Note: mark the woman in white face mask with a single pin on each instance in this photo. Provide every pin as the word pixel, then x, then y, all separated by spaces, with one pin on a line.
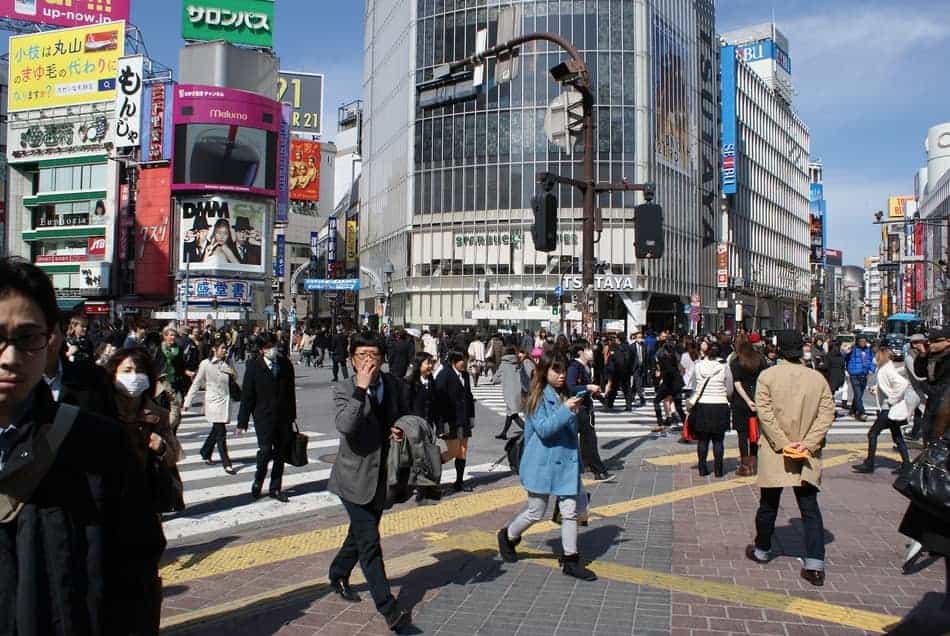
pixel 133 380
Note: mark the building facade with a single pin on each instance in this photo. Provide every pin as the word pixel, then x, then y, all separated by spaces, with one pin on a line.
pixel 932 190
pixel 766 181
pixel 446 193
pixel 872 291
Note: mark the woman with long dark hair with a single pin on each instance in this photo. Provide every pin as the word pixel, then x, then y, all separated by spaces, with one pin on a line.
pixel 221 246
pixel 550 463
pixel 745 367
pixel 420 389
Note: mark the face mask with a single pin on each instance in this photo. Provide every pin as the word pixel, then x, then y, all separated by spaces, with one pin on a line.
pixel 806 355
pixel 271 354
pixel 589 353
pixel 132 384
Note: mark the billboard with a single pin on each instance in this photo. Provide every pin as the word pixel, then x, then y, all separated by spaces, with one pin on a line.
pixel 153 232
pixel 225 140
pixel 304 93
pixel 729 134
pixel 158 120
pixel 65 67
pixel 224 292
pixel 833 257
pixel 816 218
pixel 237 21
pixel 61 136
pixel 897 207
pixel 127 129
pixel 672 95
pixel 304 170
pixel 224 233
pixel 352 238
pixel 283 166
pixel 766 49
pixel 65 13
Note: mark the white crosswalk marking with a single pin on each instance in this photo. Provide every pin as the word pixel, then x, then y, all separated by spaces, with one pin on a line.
pixel 620 424
pixel 216 500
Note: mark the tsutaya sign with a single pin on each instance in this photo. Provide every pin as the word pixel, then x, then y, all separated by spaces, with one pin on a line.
pixel 601 283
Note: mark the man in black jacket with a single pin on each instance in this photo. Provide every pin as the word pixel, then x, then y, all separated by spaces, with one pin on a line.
pixel 79 542
pixel 934 367
pixel 617 370
pixel 400 354
pixel 338 351
pixel 366 409
pixel 268 393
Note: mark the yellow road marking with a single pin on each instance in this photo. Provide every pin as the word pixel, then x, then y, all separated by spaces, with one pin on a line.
pixel 686 458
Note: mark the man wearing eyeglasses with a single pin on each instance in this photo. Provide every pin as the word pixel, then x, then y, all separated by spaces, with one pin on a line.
pixel 79 541
pixel 367 405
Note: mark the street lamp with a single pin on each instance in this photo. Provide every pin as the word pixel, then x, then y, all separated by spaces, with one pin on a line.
pixel 388 270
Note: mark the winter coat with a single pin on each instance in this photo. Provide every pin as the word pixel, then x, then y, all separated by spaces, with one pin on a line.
pixel 860 361
pixel 476 352
pixel 550 463
pixel 214 379
pixel 509 376
pixel 834 364
pixel 794 404
pixel 720 386
pixel 892 384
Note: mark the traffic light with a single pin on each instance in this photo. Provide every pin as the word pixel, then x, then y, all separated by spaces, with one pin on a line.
pixel 544 231
pixel 648 225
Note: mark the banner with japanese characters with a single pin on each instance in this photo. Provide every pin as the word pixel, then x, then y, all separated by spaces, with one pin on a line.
pixel 247 22
pixel 127 129
pixel 65 67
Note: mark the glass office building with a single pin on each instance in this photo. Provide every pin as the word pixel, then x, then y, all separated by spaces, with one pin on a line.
pixel 446 193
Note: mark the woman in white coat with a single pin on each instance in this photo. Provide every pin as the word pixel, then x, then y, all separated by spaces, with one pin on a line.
pixel 214 376
pixel 892 386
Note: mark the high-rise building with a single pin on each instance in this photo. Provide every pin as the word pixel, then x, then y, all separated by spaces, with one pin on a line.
pixel 766 180
pixel 446 193
pixel 932 236
pixel 872 292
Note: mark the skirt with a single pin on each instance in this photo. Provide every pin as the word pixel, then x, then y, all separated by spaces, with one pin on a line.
pixel 710 418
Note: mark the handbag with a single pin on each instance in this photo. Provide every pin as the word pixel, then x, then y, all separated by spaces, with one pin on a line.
pixel 927 482
pixel 169 490
pixel 688 425
pixel 296 452
pixel 514 449
pixel 753 430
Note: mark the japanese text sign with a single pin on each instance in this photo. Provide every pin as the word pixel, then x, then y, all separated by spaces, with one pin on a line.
pixel 237 21
pixel 65 67
pixel 127 128
pixel 66 13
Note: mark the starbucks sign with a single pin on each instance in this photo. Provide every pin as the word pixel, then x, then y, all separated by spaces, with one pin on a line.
pixel 247 22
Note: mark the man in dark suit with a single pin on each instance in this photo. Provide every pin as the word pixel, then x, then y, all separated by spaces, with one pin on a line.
pixel 194 249
pixel 268 394
pixel 400 354
pixel 248 253
pixel 617 371
pixel 453 396
pixel 638 367
pixel 338 350
pixel 366 406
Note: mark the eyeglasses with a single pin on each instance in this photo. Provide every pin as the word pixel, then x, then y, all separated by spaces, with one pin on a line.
pixel 365 355
pixel 30 343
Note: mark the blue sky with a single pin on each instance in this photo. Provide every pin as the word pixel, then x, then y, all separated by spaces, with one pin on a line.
pixel 869 75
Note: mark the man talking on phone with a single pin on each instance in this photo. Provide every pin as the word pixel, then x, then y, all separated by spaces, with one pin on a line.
pixel 367 405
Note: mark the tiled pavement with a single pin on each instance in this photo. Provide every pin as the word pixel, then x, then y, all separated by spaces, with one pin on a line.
pixel 457 585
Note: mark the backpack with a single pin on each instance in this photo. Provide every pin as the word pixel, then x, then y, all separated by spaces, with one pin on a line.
pixel 514 449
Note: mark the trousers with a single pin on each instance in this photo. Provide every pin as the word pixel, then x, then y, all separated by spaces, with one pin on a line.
pixel 858 385
pixel 269 449
pixel 880 424
pixel 807 497
pixel 534 512
pixel 362 546
pixel 637 379
pixel 620 383
pixel 217 436
pixel 337 365
pixel 590 454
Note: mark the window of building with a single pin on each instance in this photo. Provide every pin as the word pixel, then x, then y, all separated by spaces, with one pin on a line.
pixel 73 178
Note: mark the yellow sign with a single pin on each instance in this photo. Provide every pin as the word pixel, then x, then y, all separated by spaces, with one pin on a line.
pixel 897 206
pixel 65 67
pixel 351 237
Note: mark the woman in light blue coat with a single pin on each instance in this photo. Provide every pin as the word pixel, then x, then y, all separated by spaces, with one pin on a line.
pixel 550 463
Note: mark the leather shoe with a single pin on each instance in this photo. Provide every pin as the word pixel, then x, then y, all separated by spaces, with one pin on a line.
pixel 863 467
pixel 344 591
pixel 256 491
pixel 230 470
pixel 460 486
pixel 750 554
pixel 815 577
pixel 279 496
pixel 398 620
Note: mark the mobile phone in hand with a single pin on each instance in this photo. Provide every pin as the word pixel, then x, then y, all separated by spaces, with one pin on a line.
pixel 582 393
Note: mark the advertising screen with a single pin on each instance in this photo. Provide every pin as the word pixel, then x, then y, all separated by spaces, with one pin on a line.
pixel 670 66
pixel 65 13
pixel 65 67
pixel 248 22
pixel 225 140
pixel 224 234
pixel 304 170
pixel 153 233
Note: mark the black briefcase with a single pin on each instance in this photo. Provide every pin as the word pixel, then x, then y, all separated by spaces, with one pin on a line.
pixel 296 452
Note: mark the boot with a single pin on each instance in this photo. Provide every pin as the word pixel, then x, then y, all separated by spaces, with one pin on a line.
pixel 506 546
pixel 571 566
pixel 745 469
pixel 703 468
pixel 754 464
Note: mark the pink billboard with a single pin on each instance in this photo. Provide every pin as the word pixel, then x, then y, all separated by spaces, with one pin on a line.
pixel 225 140
pixel 66 13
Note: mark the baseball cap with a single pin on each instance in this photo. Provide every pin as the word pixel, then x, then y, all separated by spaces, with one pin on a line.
pixel 918 337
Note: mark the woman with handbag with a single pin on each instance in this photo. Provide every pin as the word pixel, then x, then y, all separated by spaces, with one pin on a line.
pixel 709 411
pixel 219 381
pixel 892 384
pixel 745 368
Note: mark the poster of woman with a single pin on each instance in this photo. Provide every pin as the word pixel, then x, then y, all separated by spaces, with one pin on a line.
pixel 223 234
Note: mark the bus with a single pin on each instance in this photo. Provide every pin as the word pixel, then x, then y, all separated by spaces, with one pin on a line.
pixel 900 327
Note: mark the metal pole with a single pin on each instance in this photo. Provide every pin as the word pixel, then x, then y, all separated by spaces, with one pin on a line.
pixel 588 228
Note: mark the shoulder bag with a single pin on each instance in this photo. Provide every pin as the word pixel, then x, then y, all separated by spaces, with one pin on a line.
pixel 927 482
pixel 17 489
pixel 169 489
pixel 296 453
pixel 688 424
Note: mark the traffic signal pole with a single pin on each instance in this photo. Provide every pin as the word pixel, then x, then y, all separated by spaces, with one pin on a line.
pixel 574 73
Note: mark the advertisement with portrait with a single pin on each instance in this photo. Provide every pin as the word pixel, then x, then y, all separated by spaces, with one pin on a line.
pixel 225 140
pixel 304 93
pixel 224 233
pixel 65 13
pixel 60 134
pixel 65 67
pixel 153 232
pixel 672 95
pixel 304 170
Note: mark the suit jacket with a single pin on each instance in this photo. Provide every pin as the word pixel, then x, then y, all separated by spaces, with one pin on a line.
pixel 358 473
pixel 455 401
pixel 271 400
pixel 400 355
pixel 251 256
pixel 86 385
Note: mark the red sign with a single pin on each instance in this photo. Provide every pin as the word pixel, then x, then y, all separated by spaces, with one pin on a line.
pixel 97 309
pixel 908 295
pixel 304 170
pixel 153 233
pixel 65 13
pixel 722 279
pixel 919 269
pixel 61 258
pixel 96 247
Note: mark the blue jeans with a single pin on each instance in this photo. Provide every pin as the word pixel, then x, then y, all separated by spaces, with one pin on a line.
pixel 807 496
pixel 858 385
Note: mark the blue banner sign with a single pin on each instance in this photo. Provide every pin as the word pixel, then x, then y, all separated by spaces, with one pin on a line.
pixel 336 284
pixel 729 134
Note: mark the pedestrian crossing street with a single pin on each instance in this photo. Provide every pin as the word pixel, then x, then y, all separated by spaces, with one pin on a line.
pixel 620 424
pixel 216 500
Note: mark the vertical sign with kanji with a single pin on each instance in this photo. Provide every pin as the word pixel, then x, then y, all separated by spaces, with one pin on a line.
pixel 127 130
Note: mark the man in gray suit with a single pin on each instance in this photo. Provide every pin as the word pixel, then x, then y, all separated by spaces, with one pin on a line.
pixel 367 405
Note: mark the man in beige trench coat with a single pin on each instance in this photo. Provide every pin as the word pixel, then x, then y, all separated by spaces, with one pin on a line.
pixel 795 409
